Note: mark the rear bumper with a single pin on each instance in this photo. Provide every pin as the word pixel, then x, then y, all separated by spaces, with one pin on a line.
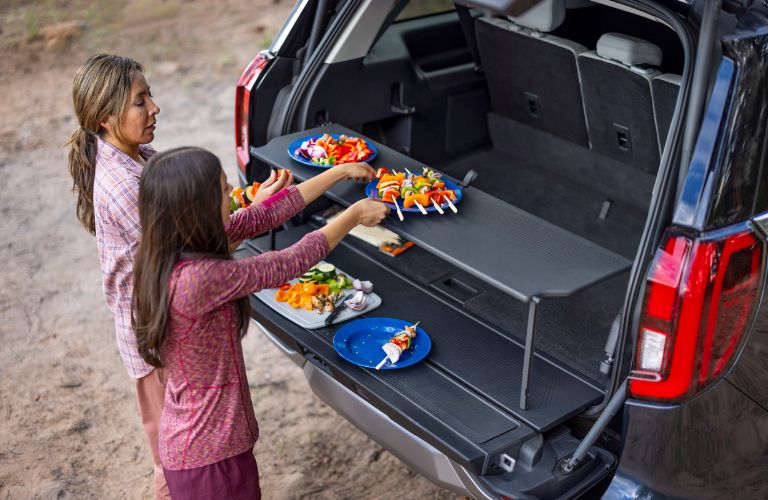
pixel 417 454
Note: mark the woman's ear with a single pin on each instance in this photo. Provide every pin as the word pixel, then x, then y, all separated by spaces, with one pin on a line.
pixel 106 124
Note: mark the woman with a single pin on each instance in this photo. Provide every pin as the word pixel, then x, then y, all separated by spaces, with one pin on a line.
pixel 117 117
pixel 191 311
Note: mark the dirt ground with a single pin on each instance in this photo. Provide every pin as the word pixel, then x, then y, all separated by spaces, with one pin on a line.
pixel 69 426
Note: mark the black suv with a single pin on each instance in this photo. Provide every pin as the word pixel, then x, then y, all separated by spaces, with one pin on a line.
pixel 596 306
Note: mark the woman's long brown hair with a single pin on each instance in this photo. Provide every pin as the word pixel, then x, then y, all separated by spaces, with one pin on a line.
pixel 180 214
pixel 101 89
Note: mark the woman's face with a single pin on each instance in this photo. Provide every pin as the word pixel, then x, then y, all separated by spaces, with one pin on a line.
pixel 137 123
pixel 225 189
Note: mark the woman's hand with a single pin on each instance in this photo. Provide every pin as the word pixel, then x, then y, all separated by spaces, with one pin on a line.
pixel 369 212
pixel 359 171
pixel 273 184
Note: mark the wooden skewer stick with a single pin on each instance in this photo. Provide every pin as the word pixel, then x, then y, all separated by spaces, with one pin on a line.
pixel 453 207
pixel 408 172
pixel 394 172
pixel 397 206
pixel 383 361
pixel 437 207
pixel 421 208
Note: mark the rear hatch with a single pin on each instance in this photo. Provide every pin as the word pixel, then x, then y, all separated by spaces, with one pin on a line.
pixel 518 291
pixel 465 399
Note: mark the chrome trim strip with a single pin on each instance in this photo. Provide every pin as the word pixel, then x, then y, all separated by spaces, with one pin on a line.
pixel 761 224
pixel 416 453
pixel 295 356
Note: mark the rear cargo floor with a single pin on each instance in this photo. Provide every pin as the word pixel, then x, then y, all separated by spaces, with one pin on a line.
pixel 562 183
pixel 464 350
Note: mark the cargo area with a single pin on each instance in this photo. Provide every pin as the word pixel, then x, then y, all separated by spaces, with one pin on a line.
pixel 564 129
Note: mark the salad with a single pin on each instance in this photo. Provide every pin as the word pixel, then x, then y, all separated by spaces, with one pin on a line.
pixel 328 151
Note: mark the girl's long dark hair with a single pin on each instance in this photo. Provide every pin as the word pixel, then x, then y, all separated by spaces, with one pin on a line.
pixel 180 201
pixel 101 89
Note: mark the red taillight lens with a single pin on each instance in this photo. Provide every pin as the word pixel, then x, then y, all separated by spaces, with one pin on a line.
pixel 242 106
pixel 698 302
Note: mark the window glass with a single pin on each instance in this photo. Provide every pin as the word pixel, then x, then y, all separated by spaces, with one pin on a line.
pixel 418 8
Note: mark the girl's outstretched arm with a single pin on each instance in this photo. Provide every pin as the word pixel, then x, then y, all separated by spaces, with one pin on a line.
pixel 312 188
pixel 202 286
pixel 275 210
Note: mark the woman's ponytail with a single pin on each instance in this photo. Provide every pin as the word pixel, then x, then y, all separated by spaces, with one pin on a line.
pixel 100 91
pixel 82 168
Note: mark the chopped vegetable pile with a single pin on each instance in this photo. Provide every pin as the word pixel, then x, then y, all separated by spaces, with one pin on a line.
pixel 329 151
pixel 317 289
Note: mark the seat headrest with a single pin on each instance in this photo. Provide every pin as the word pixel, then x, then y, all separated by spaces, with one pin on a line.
pixel 628 50
pixel 546 16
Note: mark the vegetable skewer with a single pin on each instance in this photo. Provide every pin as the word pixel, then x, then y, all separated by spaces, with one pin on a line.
pixel 398 344
pixel 437 207
pixel 453 207
pixel 399 213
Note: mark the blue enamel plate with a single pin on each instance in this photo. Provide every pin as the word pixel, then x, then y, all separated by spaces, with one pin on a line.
pixel 372 192
pixel 292 147
pixel 359 342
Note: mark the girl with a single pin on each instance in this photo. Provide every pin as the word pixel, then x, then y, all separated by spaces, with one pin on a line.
pixel 191 310
pixel 117 117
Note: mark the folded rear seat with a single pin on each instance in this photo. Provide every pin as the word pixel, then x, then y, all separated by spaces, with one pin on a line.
pixel 665 89
pixel 532 76
pixel 616 82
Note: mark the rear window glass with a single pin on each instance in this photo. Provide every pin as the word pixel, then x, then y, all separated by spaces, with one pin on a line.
pixel 419 8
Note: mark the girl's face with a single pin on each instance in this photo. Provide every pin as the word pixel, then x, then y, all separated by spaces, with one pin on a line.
pixel 225 189
pixel 137 123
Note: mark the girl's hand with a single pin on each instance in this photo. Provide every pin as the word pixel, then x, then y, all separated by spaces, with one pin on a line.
pixel 273 184
pixel 369 212
pixel 359 171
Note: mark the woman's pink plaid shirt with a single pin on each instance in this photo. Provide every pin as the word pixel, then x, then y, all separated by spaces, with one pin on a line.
pixel 116 208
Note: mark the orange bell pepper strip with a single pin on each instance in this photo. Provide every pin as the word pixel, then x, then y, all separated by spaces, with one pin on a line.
pixel 391 195
pixel 306 302
pixel 421 199
pixel 281 296
pixel 323 289
pixel 309 288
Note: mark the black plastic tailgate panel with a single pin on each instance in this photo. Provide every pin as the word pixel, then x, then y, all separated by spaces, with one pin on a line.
pixel 465 353
pixel 515 251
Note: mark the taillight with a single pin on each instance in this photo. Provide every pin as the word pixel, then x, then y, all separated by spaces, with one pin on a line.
pixel 242 106
pixel 698 302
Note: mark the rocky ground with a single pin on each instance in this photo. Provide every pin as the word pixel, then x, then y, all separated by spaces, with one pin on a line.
pixel 69 424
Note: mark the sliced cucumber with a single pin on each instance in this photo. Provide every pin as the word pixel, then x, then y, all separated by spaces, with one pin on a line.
pixel 328 270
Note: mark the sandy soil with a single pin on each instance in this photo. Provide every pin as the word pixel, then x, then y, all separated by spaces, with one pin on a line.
pixel 70 427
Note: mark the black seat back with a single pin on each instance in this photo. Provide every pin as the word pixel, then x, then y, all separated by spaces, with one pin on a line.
pixel 616 84
pixel 533 77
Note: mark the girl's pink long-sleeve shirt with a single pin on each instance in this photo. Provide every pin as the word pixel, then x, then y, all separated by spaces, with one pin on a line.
pixel 208 414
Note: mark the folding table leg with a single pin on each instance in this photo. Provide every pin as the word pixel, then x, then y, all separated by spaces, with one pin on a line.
pixel 528 359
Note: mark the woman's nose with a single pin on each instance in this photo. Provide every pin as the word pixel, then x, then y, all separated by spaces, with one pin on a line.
pixel 154 109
